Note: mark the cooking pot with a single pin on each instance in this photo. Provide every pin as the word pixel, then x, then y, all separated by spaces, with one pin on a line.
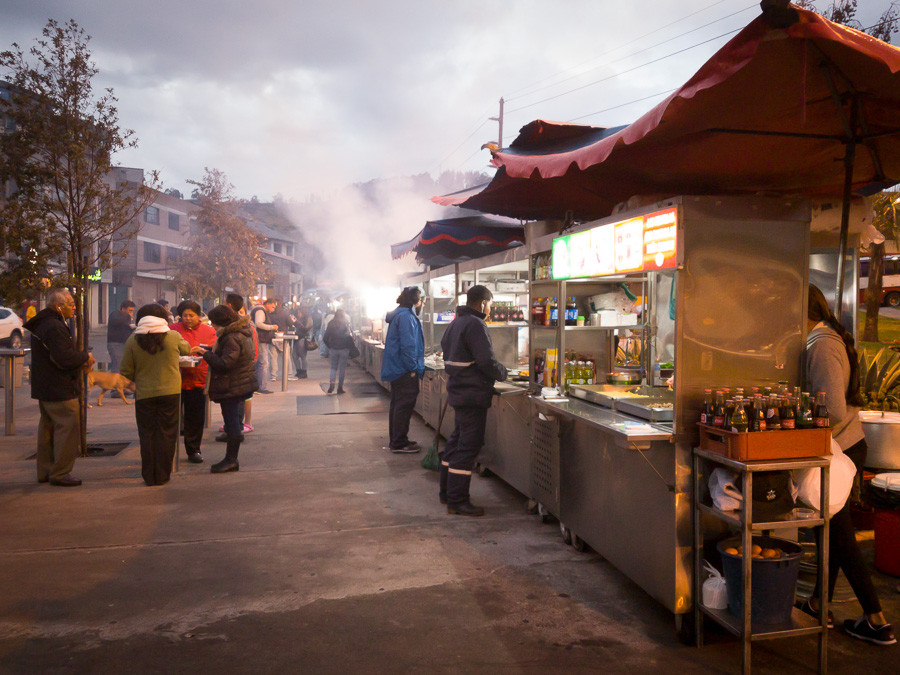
pixel 623 377
pixel 882 432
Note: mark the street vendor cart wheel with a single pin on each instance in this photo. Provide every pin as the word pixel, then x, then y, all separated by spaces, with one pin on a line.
pixel 578 543
pixel 483 471
pixel 546 516
pixel 566 533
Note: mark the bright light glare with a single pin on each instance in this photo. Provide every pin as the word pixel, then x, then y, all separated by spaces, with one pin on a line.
pixel 378 300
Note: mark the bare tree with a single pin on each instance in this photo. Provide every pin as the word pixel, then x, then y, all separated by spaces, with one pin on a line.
pixel 224 250
pixel 65 201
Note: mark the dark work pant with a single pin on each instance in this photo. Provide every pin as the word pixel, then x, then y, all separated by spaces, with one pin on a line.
pixel 462 448
pixel 193 406
pixel 404 392
pixel 843 551
pixel 157 423
pixel 233 414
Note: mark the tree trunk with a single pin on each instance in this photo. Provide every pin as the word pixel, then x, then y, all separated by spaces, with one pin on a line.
pixel 873 292
pixel 79 281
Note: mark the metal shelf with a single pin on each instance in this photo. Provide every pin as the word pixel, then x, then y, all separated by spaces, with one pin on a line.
pixel 737 521
pixel 800 624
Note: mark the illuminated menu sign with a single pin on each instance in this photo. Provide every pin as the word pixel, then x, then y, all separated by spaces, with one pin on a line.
pixel 643 244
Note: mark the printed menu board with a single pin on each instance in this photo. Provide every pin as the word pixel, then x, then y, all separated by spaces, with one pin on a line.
pixel 642 244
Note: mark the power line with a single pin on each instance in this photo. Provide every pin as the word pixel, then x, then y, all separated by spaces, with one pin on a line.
pixel 640 51
pixel 466 139
pixel 616 48
pixel 624 72
pixel 622 105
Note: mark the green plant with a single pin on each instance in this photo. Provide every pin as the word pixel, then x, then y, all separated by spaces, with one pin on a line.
pixel 879 376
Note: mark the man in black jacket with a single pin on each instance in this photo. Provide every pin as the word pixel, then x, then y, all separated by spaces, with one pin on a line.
pixel 118 330
pixel 471 373
pixel 55 368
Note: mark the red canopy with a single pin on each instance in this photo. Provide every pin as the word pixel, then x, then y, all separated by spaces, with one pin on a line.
pixel 774 111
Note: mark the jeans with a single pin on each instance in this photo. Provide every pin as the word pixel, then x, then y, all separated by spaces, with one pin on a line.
pixel 262 366
pixel 299 354
pixel 339 358
pixel 843 551
pixel 233 414
pixel 116 351
pixel 193 417
pixel 157 423
pixel 404 392
pixel 274 358
pixel 323 349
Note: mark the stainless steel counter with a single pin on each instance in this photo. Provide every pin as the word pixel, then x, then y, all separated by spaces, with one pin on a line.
pixel 624 427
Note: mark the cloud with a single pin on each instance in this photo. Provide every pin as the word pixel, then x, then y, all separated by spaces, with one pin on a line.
pixel 306 97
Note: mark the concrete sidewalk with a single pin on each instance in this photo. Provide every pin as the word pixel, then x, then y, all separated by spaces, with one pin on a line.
pixel 324 554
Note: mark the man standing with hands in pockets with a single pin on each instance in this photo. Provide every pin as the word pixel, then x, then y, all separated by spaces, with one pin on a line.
pixel 472 370
pixel 55 368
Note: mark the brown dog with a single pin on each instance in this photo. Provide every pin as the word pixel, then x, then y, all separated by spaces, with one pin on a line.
pixel 108 382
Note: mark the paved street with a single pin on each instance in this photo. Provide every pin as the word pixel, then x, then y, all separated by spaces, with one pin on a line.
pixel 324 554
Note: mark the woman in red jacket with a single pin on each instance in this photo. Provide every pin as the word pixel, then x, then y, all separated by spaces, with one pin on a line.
pixel 193 380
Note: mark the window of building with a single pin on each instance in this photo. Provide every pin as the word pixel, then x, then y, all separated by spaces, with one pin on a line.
pixel 174 222
pixel 289 249
pixel 173 255
pixel 152 252
pixel 276 247
pixel 151 215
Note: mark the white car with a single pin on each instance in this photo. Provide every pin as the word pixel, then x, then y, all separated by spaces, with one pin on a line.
pixel 11 331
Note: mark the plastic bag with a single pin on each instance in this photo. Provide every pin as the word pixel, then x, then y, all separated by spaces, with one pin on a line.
pixel 841 475
pixel 715 592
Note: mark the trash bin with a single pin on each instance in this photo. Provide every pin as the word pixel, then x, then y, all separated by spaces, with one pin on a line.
pixel 883 492
pixel 774 580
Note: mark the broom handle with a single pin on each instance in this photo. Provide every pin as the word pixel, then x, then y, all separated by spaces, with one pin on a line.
pixel 437 433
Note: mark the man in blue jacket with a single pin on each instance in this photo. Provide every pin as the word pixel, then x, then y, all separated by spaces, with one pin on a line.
pixel 403 366
pixel 472 370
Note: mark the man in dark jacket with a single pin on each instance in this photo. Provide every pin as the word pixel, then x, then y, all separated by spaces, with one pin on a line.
pixel 118 330
pixel 55 368
pixel 260 316
pixel 403 365
pixel 471 370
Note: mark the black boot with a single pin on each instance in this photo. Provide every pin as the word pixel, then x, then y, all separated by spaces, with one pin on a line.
pixel 195 457
pixel 301 374
pixel 340 389
pixel 330 388
pixel 458 496
pixel 442 495
pixel 230 463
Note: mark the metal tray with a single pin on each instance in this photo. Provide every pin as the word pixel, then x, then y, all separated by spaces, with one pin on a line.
pixel 602 394
pixel 643 407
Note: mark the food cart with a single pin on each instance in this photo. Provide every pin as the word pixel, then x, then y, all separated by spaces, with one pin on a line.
pixel 721 284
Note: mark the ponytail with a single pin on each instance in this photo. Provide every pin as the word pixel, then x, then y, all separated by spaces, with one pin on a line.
pixel 818 310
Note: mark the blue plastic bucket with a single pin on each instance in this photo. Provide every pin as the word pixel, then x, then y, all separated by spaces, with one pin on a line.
pixel 774 580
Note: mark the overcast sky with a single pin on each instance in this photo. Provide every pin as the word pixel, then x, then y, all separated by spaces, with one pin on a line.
pixel 304 97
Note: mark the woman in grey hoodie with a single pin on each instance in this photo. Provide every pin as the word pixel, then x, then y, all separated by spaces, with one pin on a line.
pixel 832 367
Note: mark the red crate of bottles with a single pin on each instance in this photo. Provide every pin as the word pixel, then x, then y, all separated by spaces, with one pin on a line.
pixel 779 444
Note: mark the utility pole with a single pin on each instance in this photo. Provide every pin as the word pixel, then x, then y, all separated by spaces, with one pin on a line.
pixel 499 120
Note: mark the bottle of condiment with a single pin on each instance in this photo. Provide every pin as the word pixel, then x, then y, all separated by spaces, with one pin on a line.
pixel 719 410
pixel 571 312
pixel 788 416
pixel 757 420
pixel 773 417
pixel 820 416
pixel 805 419
pixel 706 411
pixel 729 412
pixel 739 420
